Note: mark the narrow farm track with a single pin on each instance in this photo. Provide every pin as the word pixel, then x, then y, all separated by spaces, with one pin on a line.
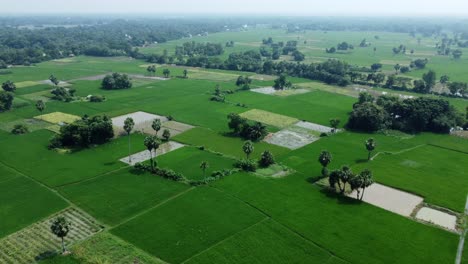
pixel 24 245
pixel 398 152
pixel 462 236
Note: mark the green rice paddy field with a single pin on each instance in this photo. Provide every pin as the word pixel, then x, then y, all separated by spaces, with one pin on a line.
pixel 241 218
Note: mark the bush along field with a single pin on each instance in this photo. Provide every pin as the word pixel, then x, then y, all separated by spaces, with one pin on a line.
pixel 243 166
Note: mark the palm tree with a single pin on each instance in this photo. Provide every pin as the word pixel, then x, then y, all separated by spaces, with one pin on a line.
pixel 367 180
pixel 150 144
pixel 345 176
pixel 204 165
pixel 325 158
pixel 370 146
pixel 248 148
pixel 60 227
pixel 156 125
pixel 128 127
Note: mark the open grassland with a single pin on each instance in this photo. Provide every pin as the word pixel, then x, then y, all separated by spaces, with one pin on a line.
pixel 230 146
pixel 53 168
pixel 358 236
pixel 22 201
pixel 266 242
pixel 187 161
pixel 120 195
pixel 189 224
pixel 439 175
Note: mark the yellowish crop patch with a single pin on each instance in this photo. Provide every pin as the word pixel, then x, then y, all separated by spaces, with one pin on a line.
pixel 58 117
pixel 25 84
pixel 269 118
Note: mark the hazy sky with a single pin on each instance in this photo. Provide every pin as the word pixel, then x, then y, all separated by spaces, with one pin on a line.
pixel 287 7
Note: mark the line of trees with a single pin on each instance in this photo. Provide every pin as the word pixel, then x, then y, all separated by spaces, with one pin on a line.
pixel 254 131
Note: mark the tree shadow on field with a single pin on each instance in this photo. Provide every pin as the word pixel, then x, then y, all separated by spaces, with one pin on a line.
pixel 110 163
pixel 340 198
pixel 136 171
pixel 358 161
pixel 313 179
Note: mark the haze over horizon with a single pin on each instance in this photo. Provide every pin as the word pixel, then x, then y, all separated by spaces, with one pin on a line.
pixel 292 7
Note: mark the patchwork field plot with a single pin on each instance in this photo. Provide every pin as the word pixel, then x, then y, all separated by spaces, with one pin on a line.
pixel 269 118
pixel 266 242
pixel 187 161
pixel 272 91
pixel 313 127
pixel 416 171
pixel 210 75
pixel 117 196
pixel 25 245
pixel 189 224
pixel 25 84
pixel 437 217
pixel 107 248
pixel 142 121
pixel 22 202
pixel 145 155
pixel 291 138
pixel 32 124
pixel 230 146
pixel 58 117
pixel 391 199
pixel 62 168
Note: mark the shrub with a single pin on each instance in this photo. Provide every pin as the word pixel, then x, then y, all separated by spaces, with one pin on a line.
pixel 63 94
pixel 266 159
pixel 20 129
pixel 97 98
pixel 246 165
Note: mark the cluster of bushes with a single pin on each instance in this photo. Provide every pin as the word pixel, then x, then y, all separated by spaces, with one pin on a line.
pixel 97 98
pixel 63 94
pixel 19 129
pixel 408 115
pixel 116 81
pixel 344 46
pixel 216 175
pixel 246 165
pixel 266 160
pixel 165 173
pixel 241 127
pixel 84 133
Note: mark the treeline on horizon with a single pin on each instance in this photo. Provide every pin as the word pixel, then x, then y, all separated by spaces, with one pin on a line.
pixel 28 40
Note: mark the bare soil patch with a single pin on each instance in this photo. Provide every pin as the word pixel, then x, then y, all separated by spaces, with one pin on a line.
pixel 145 155
pixel 291 139
pixel 390 199
pixel 142 121
pixel 437 217
pixel 314 127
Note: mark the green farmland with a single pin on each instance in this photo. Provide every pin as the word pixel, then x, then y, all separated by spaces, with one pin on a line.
pixel 218 211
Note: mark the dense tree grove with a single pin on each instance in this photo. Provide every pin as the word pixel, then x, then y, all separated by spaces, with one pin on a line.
pixel 6 100
pixel 92 36
pixel 116 81
pixel 196 49
pixel 242 127
pixel 84 133
pixel 409 115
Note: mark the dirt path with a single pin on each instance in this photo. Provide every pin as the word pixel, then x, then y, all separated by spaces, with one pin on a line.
pixel 462 237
